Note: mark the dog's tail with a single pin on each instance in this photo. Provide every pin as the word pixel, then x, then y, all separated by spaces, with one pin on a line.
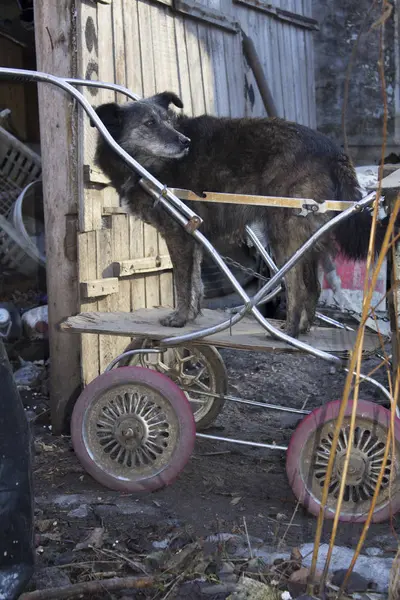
pixel 352 235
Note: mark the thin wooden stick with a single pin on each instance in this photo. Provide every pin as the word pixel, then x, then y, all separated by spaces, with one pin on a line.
pixel 91 587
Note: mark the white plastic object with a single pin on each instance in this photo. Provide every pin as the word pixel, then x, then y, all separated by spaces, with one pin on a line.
pixel 5 322
pixel 26 225
pixel 36 322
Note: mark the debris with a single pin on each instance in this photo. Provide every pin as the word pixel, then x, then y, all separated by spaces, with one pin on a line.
pixel 355 582
pixel 301 576
pixel 91 587
pixel 28 376
pixel 44 525
pixel 227 573
pixel 374 551
pixel 162 545
pixel 217 589
pixel 180 560
pixel 238 547
pixel 281 517
pixel 374 568
pixel 80 513
pixel 296 557
pixel 50 577
pixel 297 583
pixel 36 322
pixel 249 589
pixel 94 540
pixel 255 565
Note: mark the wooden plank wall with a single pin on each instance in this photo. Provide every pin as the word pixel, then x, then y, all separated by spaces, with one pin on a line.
pixel 149 47
pixel 154 50
pixel 286 53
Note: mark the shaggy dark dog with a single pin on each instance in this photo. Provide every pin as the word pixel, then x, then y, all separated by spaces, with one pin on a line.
pixel 269 157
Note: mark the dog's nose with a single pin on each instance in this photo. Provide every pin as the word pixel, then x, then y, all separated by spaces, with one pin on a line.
pixel 184 141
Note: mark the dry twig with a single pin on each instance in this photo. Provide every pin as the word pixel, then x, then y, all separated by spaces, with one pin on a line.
pixel 91 587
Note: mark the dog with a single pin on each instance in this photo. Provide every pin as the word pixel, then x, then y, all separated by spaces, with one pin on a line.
pixel 261 156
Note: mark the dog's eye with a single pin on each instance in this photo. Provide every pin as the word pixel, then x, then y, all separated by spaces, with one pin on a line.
pixel 150 123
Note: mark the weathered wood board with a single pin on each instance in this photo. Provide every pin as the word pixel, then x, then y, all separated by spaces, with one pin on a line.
pixel 247 334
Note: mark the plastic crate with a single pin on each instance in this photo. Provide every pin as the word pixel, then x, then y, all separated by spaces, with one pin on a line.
pixel 16 255
pixel 19 166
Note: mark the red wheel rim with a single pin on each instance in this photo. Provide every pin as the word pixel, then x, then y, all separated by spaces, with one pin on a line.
pixel 311 433
pixel 133 430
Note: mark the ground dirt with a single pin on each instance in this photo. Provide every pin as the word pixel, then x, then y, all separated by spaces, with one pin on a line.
pixel 224 488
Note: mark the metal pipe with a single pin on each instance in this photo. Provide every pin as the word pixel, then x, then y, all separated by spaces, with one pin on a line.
pixel 276 407
pixel 164 193
pixel 116 360
pixel 333 322
pixel 207 436
pixel 264 254
pixel 115 87
pixel 380 387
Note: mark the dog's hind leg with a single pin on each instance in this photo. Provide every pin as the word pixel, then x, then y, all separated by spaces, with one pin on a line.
pixel 313 287
pixel 285 239
pixel 186 257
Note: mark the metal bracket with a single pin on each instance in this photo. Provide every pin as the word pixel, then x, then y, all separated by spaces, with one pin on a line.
pixel 311 206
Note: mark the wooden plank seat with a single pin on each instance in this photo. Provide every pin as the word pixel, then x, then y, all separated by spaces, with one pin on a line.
pixel 247 334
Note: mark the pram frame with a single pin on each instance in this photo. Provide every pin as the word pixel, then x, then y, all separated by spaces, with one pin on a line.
pixel 178 210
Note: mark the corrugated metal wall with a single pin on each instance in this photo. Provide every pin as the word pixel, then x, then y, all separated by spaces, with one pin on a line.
pixel 195 50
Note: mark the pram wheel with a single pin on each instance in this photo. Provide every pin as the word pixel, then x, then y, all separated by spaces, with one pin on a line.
pixel 133 430
pixel 195 368
pixel 309 451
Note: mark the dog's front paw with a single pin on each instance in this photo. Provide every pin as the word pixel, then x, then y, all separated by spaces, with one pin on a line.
pixel 174 319
pixel 291 329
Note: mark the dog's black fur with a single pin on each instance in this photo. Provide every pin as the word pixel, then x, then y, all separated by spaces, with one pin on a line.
pixel 270 157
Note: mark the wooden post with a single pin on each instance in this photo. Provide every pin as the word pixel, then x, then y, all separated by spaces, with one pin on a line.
pixel 57 54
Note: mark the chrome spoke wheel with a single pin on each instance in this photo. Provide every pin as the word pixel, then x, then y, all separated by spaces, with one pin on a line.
pixel 310 449
pixel 367 450
pixel 198 370
pixel 132 431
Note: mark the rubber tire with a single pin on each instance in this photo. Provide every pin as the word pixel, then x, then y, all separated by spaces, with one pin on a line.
pixel 221 377
pixel 164 386
pixel 302 433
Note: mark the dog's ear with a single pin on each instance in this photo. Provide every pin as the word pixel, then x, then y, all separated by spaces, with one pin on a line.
pixel 110 114
pixel 165 99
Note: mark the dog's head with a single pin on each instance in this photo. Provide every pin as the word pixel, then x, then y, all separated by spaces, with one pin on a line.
pixel 145 128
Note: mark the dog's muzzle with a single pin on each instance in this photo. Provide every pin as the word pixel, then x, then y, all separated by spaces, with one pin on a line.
pixel 184 142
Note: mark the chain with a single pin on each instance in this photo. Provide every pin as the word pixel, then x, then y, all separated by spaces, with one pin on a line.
pixel 248 270
pixel 353 313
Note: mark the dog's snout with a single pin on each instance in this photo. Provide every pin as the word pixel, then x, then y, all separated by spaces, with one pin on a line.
pixel 184 141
